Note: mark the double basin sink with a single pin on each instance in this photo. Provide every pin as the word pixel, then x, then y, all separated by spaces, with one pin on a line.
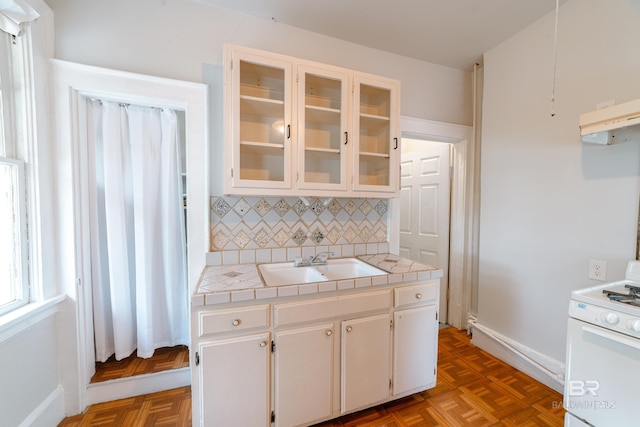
pixel 285 273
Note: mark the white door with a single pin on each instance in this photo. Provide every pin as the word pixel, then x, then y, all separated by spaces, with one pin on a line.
pixel 366 361
pixel 234 374
pixel 425 198
pixel 415 337
pixel 304 374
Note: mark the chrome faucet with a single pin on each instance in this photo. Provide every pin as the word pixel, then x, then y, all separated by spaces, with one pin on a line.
pixel 318 259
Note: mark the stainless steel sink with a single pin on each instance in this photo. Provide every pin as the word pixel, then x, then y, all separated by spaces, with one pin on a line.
pixel 280 274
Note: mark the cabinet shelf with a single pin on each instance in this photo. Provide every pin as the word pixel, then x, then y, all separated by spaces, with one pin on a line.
pixel 323 150
pixel 322 114
pixel 372 154
pixel 264 107
pixel 261 147
pixel 373 123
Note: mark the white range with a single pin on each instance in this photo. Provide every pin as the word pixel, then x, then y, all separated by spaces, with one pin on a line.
pixel 603 354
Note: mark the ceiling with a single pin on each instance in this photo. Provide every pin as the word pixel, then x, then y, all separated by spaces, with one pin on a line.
pixel 453 33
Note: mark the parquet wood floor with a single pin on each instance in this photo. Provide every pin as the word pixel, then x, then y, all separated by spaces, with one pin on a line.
pixel 473 389
pixel 163 359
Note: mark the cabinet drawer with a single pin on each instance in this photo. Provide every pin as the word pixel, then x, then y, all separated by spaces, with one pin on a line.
pixel 326 308
pixel 421 293
pixel 235 319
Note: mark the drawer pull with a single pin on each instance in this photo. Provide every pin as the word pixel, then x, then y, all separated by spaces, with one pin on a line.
pixel 329 332
pixel 236 322
pixel 418 296
pixel 349 329
pixel 263 344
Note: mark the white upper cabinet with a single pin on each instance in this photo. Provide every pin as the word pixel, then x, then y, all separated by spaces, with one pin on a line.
pixel 376 142
pixel 299 128
pixel 260 131
pixel 323 131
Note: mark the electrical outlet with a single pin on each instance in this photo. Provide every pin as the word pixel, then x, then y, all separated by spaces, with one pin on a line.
pixel 598 270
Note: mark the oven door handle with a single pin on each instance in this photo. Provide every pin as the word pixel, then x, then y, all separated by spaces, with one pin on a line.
pixel 607 335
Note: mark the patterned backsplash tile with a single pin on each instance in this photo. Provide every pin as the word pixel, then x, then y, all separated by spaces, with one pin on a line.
pixel 243 223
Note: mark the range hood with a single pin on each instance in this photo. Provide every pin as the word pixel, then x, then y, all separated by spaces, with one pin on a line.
pixel 598 126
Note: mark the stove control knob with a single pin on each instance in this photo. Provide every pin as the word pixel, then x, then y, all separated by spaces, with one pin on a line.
pixel 634 325
pixel 611 318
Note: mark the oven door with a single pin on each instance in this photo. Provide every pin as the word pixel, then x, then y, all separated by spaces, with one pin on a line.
pixel 602 373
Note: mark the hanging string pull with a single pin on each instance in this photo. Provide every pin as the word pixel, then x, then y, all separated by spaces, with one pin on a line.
pixel 555 62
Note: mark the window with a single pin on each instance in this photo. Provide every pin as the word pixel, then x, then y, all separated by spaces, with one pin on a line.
pixel 13 244
pixel 14 249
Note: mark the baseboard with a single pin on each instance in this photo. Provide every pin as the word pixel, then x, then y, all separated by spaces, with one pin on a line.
pixel 544 369
pixel 137 385
pixel 49 412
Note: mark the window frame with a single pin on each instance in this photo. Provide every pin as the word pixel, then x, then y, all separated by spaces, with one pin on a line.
pixel 21 289
pixel 18 147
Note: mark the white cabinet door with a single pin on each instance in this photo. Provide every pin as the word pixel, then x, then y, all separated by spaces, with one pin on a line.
pixel 366 361
pixel 415 334
pixel 376 156
pixel 304 372
pixel 323 129
pixel 234 381
pixel 259 127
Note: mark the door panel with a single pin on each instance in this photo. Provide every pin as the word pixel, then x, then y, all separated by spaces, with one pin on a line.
pixel 304 374
pixel 366 361
pixel 424 207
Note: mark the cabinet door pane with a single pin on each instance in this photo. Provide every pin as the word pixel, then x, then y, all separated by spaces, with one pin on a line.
pixel 415 347
pixel 366 361
pixel 377 148
pixel 261 121
pixel 234 372
pixel 322 99
pixel 304 374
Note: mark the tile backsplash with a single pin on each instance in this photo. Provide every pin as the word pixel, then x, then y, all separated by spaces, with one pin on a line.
pixel 252 229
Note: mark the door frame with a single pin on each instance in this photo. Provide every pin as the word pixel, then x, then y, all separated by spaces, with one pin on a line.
pixel 73 83
pixel 462 209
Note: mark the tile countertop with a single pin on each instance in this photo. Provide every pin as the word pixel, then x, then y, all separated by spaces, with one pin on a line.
pixel 232 283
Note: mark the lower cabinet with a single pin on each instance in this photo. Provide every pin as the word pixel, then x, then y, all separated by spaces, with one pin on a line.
pixel 307 360
pixel 414 357
pixel 234 381
pixel 303 374
pixel 366 361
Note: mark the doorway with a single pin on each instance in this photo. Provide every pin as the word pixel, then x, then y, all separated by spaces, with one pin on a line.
pixel 425 200
pixel 73 84
pixel 136 175
pixel 462 209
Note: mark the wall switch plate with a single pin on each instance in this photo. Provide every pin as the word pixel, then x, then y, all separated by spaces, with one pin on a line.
pixel 598 270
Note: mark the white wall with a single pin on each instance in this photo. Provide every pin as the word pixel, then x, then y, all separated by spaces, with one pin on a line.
pixel 29 371
pixel 549 203
pixel 183 39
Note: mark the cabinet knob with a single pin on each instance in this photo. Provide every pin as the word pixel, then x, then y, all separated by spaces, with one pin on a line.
pixel 329 332
pixel 349 329
pixel 418 296
pixel 236 322
pixel 263 344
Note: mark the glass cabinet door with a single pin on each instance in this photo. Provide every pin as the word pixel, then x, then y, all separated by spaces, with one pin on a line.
pixel 323 135
pixel 378 143
pixel 261 122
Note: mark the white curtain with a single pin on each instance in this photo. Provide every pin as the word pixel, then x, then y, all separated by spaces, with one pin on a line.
pixel 138 237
